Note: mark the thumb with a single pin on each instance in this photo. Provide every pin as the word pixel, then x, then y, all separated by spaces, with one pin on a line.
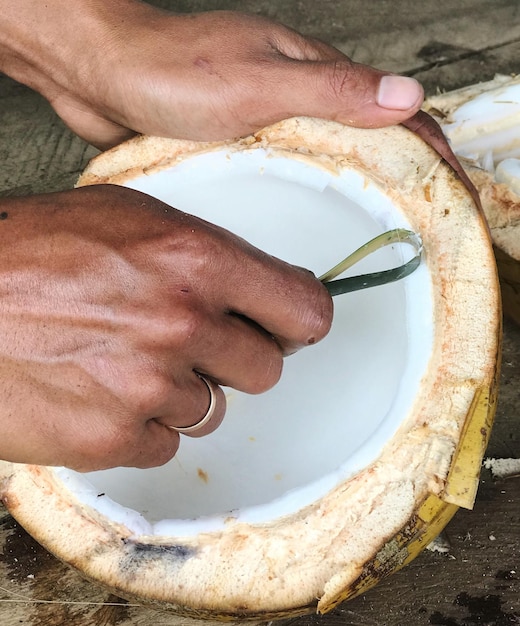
pixel 348 92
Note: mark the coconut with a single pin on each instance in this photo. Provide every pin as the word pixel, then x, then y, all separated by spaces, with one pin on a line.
pixel 482 124
pixel 311 493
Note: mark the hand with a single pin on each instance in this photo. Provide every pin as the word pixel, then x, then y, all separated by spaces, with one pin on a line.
pixel 202 76
pixel 111 301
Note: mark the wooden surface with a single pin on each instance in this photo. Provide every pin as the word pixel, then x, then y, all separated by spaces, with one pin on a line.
pixel 446 44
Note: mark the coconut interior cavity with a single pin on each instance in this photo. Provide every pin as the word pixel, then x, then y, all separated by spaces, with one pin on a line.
pixel 338 402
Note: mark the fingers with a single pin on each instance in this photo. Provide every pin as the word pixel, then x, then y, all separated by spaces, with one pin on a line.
pixel 300 311
pixel 210 419
pixel 287 302
pixel 240 354
pixel 196 409
pixel 224 348
pixel 276 299
pixel 348 92
pixel 143 434
pixel 320 81
pixel 229 350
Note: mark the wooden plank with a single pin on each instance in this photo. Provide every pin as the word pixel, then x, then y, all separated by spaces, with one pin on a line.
pixel 38 153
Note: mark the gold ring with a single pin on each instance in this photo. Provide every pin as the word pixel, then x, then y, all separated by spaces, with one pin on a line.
pixel 209 413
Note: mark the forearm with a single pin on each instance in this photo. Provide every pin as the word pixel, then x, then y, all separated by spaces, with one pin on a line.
pixel 54 45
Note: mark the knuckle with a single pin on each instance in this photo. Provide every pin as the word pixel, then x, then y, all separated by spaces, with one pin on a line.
pixel 186 324
pixel 175 325
pixel 342 79
pixel 101 447
pixel 159 455
pixel 316 310
pixel 318 316
pixel 151 394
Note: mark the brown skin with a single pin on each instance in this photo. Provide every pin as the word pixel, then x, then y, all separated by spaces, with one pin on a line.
pixel 101 355
pixel 203 76
pixel 111 301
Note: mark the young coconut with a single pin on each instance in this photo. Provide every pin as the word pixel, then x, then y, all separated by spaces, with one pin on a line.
pixel 482 123
pixel 311 493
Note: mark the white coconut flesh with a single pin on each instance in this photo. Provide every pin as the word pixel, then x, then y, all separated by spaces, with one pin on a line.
pixel 486 129
pixel 298 494
pixel 337 403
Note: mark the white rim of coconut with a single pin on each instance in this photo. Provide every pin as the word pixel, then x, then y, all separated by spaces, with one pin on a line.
pixel 377 469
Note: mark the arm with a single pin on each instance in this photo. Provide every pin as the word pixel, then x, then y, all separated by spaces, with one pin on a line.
pixel 114 68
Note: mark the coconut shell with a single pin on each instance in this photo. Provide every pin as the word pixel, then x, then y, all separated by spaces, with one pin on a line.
pixel 371 523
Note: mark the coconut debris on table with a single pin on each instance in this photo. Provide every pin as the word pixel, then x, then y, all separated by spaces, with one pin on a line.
pixel 503 468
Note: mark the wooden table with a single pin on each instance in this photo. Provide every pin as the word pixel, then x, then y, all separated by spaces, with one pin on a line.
pixel 446 44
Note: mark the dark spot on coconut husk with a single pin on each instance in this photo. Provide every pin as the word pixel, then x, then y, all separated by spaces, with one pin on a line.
pixel 139 554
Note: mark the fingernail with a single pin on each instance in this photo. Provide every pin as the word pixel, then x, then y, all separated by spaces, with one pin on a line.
pixel 399 92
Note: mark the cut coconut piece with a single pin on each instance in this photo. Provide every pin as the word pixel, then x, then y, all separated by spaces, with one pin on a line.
pixel 482 124
pixel 311 493
pixel 508 173
pixel 486 128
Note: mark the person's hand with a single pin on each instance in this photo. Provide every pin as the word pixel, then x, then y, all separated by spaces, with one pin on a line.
pixel 111 303
pixel 114 68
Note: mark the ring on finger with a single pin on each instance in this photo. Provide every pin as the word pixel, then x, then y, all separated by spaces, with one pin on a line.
pixel 212 388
